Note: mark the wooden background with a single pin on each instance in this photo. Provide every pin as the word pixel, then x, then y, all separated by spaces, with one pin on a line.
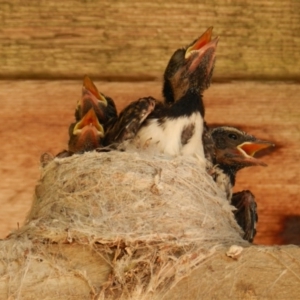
pixel 256 85
pixel 134 39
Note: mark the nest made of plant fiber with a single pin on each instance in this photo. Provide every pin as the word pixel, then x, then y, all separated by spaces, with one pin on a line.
pixel 158 217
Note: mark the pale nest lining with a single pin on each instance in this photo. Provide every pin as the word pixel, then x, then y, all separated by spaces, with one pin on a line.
pixel 156 217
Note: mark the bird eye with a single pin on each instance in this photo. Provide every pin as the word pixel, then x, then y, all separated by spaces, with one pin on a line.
pixel 232 136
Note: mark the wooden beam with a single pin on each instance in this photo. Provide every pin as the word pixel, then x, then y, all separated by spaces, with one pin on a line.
pixel 126 39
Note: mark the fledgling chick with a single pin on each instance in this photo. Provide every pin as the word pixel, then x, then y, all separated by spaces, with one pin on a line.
pixel 233 151
pixel 230 150
pixel 189 67
pixel 176 127
pixel 103 106
pixel 86 134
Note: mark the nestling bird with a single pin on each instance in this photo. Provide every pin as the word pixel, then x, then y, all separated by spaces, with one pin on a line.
pixel 103 106
pixel 89 133
pixel 233 151
pixel 86 134
pixel 190 67
pixel 94 110
pixel 176 127
pixel 230 150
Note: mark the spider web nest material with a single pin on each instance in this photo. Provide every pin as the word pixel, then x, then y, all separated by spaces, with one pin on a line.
pixel 154 218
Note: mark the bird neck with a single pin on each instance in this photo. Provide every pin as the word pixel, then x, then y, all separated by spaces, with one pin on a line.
pixel 188 104
pixel 168 92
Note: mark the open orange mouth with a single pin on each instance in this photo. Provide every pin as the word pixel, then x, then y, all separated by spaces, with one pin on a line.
pixel 204 39
pixel 89 86
pixel 199 48
pixel 248 150
pixel 89 119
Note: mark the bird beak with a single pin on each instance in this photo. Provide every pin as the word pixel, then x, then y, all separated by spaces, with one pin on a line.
pixel 91 121
pixel 200 47
pixel 204 39
pixel 91 98
pixel 248 150
pixel 90 88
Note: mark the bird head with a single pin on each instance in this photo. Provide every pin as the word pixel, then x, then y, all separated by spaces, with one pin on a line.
pixel 91 98
pixel 236 149
pixel 190 67
pixel 86 134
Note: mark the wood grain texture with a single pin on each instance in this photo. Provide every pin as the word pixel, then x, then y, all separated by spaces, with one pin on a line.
pixel 134 39
pixel 36 114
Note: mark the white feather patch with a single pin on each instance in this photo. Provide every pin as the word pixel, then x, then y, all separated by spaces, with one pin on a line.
pixel 166 137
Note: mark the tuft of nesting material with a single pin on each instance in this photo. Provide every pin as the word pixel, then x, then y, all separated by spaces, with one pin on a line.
pixel 152 218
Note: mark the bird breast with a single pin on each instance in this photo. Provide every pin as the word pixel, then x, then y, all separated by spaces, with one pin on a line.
pixel 173 136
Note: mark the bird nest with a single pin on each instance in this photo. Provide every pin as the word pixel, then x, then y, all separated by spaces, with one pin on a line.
pixel 155 218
